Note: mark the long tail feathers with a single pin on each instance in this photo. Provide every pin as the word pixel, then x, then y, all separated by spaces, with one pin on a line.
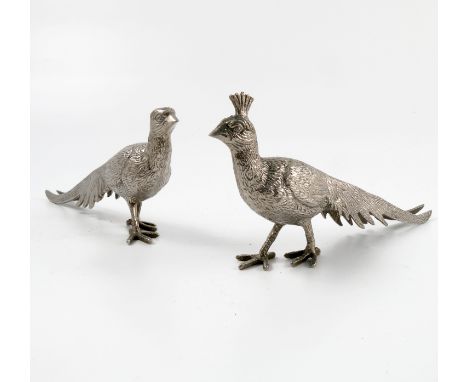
pixel 89 191
pixel 373 206
pixel 411 216
pixel 359 207
pixel 62 197
pixel 414 211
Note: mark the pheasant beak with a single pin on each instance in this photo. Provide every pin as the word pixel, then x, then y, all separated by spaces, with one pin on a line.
pixel 216 133
pixel 212 134
pixel 172 119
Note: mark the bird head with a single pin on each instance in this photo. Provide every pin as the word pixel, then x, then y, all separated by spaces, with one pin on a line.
pixel 163 120
pixel 237 131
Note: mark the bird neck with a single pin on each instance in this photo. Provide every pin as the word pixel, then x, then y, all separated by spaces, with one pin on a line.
pixel 247 157
pixel 158 145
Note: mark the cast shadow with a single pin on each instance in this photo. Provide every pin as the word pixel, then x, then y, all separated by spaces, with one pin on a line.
pixel 346 255
pixel 198 235
pixel 355 252
pixel 168 230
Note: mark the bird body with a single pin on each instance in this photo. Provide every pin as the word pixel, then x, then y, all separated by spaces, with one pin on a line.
pixel 288 191
pixel 264 185
pixel 136 173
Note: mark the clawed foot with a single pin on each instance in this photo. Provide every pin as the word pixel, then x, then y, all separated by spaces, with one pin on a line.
pixel 138 234
pixel 145 225
pixel 304 255
pixel 251 260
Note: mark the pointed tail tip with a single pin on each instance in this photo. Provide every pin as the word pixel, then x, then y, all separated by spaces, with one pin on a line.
pixel 51 196
pixel 422 218
pixel 425 216
pixel 416 209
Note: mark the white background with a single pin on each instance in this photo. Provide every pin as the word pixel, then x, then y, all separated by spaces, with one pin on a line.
pixel 348 88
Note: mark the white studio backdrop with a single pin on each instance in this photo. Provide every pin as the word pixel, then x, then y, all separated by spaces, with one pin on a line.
pixel 348 87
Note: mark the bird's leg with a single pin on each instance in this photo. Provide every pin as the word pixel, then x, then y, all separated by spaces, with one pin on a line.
pixel 135 231
pixel 144 225
pixel 310 252
pixel 263 256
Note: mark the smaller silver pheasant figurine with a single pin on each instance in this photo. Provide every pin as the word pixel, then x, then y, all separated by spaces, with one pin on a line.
pixel 287 191
pixel 136 173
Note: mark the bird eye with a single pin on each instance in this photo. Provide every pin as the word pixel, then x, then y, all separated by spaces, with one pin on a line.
pixel 237 128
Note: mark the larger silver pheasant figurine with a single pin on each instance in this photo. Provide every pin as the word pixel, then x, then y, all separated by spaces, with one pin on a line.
pixel 288 191
pixel 136 173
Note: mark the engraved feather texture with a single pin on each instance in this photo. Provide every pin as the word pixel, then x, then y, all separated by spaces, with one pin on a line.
pixel 288 191
pixel 136 173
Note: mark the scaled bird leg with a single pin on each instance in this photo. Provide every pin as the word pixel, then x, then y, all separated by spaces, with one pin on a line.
pixel 310 252
pixel 264 256
pixel 144 225
pixel 135 231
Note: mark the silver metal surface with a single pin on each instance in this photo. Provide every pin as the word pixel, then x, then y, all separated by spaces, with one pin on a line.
pixel 136 173
pixel 288 191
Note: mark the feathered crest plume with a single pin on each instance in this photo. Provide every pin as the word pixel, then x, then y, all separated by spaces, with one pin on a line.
pixel 241 103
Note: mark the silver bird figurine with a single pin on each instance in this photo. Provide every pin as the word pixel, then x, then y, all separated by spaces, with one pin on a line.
pixel 136 173
pixel 288 191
